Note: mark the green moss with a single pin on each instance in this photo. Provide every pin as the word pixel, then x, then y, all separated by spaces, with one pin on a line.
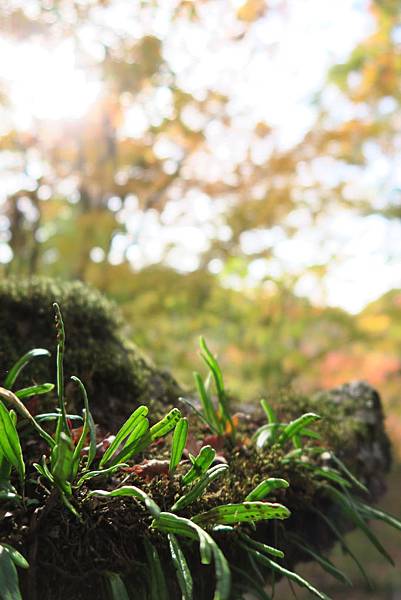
pixel 117 375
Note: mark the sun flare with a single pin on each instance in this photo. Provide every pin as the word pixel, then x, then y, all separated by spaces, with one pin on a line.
pixel 46 82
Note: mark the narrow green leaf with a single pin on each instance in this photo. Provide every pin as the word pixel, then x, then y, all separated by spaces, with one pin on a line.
pixel 34 390
pixel 62 463
pixel 165 425
pixel 9 442
pixel 251 584
pixel 141 427
pixel 348 473
pixel 228 514
pixel 44 470
pixel 219 383
pixel 137 416
pixel 70 506
pixel 16 403
pixel 323 561
pixel 200 464
pixel 264 548
pixel 209 410
pixel 297 425
pixel 266 487
pixel 118 591
pixel 91 474
pixel 375 514
pixel 286 573
pixel 223 575
pixel 62 424
pixel 17 558
pixel 198 413
pixel 21 363
pixel 181 566
pixel 212 364
pixel 141 438
pixel 92 441
pixel 142 441
pixel 199 487
pixel 52 416
pixel 351 510
pixel 130 490
pixel 5 471
pixel 170 523
pixel 330 474
pixel 179 441
pixel 157 581
pixel 9 585
pixel 266 434
pixel 269 412
pixel 313 435
pixel 88 428
pixel 344 544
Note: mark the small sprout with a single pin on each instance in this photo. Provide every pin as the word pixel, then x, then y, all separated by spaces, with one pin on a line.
pixel 199 487
pixel 296 426
pixel 200 464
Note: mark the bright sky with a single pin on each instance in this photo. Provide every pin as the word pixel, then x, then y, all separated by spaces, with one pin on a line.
pixel 272 76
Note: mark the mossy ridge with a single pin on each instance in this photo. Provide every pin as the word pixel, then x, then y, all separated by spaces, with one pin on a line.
pixel 111 534
pixel 352 423
pixel 117 374
pixel 131 525
pixel 109 539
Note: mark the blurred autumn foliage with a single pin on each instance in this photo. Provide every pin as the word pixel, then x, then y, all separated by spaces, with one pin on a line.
pixel 170 199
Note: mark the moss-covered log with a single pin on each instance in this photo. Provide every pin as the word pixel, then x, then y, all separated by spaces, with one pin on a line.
pixel 71 558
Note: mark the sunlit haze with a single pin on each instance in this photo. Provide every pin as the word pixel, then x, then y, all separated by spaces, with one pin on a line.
pixel 45 82
pixel 293 50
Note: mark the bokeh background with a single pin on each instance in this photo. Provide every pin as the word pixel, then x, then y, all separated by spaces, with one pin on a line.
pixel 224 167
